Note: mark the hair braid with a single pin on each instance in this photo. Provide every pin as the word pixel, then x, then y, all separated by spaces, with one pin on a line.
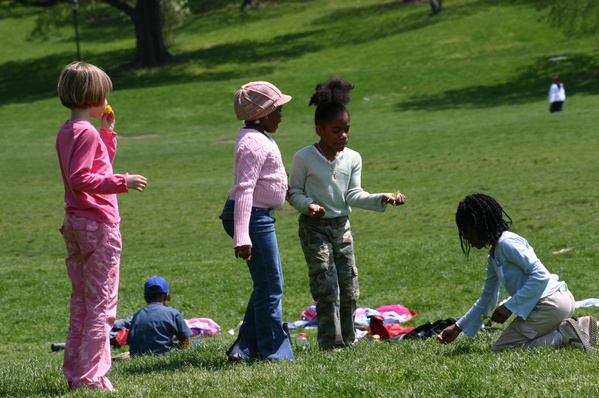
pixel 483 213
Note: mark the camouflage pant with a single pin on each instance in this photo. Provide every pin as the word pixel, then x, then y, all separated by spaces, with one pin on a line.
pixel 329 250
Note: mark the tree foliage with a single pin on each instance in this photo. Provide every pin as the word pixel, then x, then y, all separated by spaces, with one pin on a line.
pixel 154 21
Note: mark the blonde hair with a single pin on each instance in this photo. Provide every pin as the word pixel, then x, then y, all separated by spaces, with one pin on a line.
pixel 82 85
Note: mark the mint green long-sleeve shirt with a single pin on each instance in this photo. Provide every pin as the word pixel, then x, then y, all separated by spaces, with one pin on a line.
pixel 335 185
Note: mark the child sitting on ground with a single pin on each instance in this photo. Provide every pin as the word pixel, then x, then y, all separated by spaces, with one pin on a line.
pixel 154 327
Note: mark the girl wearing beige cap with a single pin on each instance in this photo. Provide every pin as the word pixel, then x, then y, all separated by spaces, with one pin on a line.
pixel 260 186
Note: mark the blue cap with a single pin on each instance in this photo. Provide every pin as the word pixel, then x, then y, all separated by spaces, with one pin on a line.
pixel 155 284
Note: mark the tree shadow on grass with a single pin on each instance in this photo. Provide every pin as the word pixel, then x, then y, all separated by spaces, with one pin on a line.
pixel 198 7
pixel 9 10
pixel 26 81
pixel 579 72
pixel 329 31
pixel 34 79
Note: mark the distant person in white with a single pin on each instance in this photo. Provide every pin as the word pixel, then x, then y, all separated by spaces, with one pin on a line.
pixel 557 95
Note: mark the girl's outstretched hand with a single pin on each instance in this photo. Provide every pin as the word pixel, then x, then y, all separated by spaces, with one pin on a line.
pixel 137 182
pixel 394 199
pixel 449 334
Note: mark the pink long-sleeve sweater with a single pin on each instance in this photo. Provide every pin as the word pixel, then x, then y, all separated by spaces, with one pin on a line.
pixel 85 158
pixel 260 179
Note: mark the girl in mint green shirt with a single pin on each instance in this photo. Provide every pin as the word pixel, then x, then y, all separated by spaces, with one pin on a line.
pixel 325 183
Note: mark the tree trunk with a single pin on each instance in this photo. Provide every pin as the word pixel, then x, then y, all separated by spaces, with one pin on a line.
pixel 245 3
pixel 150 49
pixel 436 6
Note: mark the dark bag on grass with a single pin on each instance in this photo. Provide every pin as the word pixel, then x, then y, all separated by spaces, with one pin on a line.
pixel 428 329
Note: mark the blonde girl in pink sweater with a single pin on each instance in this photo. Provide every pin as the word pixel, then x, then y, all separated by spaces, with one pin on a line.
pixel 91 223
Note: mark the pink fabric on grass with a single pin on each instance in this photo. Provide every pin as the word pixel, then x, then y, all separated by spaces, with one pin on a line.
pixel 203 326
pixel 396 313
pixel 309 313
pixel 397 308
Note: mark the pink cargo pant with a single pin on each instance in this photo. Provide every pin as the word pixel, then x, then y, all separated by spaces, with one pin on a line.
pixel 93 257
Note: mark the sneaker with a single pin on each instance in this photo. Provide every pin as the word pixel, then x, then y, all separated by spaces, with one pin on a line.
pixel 573 336
pixel 233 352
pixel 234 357
pixel 588 327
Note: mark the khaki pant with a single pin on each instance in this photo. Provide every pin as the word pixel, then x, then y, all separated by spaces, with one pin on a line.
pixel 539 327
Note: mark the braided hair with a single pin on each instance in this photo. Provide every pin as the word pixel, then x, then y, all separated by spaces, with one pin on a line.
pixel 483 213
pixel 330 98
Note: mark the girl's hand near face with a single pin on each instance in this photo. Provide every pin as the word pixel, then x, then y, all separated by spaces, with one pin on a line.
pixel 108 120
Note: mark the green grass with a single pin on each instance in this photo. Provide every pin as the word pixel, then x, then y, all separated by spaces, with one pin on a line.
pixel 444 106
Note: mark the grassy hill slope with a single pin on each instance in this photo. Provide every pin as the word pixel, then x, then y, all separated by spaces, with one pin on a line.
pixel 444 106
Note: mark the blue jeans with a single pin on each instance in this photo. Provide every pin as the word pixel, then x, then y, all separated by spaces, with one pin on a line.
pixel 262 333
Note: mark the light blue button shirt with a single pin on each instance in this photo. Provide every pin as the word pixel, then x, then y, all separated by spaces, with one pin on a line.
pixel 513 264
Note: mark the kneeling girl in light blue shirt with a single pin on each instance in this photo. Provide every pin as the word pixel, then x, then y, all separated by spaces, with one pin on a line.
pixel 542 303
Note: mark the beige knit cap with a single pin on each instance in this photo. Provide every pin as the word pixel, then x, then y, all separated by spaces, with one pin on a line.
pixel 255 100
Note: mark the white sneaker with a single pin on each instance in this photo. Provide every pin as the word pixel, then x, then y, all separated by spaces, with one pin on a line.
pixel 588 327
pixel 573 336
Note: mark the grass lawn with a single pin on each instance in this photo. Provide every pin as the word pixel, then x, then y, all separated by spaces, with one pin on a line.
pixel 444 106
